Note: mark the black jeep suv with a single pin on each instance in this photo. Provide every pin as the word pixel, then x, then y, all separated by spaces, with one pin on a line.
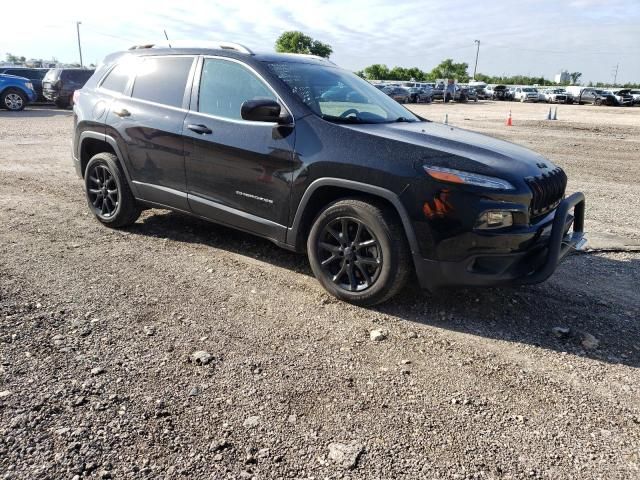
pixel 371 191
pixel 59 84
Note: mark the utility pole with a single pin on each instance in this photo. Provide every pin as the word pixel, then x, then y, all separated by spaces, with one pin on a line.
pixel 615 74
pixel 477 42
pixel 79 47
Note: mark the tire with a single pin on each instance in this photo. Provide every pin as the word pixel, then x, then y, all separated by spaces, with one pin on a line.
pixel 114 207
pixel 598 102
pixel 13 100
pixel 367 261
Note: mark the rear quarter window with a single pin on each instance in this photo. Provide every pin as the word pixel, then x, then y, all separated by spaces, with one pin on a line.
pixel 117 79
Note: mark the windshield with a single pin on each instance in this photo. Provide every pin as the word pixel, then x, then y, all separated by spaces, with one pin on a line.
pixel 338 95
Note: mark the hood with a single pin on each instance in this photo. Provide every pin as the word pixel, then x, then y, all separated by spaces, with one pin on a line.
pixel 444 145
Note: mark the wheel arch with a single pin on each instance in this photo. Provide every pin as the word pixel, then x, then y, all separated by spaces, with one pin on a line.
pixel 92 143
pixel 14 87
pixel 323 191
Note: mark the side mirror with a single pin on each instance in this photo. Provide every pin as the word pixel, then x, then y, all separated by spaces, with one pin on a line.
pixel 263 110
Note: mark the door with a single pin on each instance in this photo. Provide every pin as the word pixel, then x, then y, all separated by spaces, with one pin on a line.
pixel 147 123
pixel 238 172
pixel 587 96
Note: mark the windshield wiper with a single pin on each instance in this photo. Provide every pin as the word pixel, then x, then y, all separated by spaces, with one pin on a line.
pixel 349 119
pixel 403 119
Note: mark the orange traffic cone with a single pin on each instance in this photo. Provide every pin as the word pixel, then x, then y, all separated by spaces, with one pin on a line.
pixel 509 122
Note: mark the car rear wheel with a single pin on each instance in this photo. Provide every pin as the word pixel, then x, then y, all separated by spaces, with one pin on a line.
pixel 13 99
pixel 358 251
pixel 108 193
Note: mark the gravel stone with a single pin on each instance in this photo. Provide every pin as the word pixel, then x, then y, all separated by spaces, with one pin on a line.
pixel 378 335
pixel 561 332
pixel 201 357
pixel 588 341
pixel 345 455
pixel 251 422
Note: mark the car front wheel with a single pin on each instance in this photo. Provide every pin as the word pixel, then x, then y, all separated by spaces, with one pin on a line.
pixel 13 99
pixel 358 251
pixel 108 193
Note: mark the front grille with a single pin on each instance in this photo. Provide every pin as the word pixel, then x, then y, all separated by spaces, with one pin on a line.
pixel 548 191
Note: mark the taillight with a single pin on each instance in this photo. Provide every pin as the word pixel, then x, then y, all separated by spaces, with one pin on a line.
pixel 76 96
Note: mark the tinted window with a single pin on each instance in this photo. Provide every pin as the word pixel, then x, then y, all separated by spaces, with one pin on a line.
pixel 226 85
pixel 117 79
pixel 31 74
pixel 162 79
pixel 76 75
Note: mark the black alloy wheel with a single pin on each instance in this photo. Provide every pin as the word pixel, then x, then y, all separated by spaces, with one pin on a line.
pixel 102 191
pixel 108 193
pixel 350 254
pixel 358 251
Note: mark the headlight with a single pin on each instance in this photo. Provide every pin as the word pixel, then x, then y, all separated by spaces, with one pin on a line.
pixel 458 176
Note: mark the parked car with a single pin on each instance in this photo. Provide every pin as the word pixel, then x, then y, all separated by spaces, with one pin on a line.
pixel 459 95
pixel 399 94
pixel 420 94
pixel 481 93
pixel 371 192
pixel 59 84
pixel 623 97
pixel 635 93
pixel 596 97
pixel 34 74
pixel 16 92
pixel 499 92
pixel 557 95
pixel 471 94
pixel 340 93
pixel 526 94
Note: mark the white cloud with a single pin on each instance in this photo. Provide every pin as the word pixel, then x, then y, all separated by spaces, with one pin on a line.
pixel 517 37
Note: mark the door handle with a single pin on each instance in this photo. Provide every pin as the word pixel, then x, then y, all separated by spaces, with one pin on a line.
pixel 201 129
pixel 123 112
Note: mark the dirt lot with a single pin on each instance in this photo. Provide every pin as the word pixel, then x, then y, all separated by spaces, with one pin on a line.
pixel 96 328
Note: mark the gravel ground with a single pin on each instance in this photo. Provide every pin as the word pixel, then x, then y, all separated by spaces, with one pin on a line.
pixel 98 329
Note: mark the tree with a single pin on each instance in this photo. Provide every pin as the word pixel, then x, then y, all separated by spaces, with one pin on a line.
pixel 377 72
pixel 12 58
pixel 449 69
pixel 298 42
pixel 575 77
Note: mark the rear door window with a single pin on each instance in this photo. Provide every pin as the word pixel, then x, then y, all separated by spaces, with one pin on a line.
pixel 162 79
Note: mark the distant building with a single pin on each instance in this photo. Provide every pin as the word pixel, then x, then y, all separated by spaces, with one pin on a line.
pixel 563 77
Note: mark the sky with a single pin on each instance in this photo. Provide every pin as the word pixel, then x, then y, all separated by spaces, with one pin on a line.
pixel 516 37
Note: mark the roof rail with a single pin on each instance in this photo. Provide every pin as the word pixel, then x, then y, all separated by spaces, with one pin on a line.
pixel 309 55
pixel 236 47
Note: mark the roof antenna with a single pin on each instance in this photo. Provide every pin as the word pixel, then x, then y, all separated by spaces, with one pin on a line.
pixel 167 37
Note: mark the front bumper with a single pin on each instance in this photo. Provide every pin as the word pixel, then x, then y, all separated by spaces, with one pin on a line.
pixel 534 265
